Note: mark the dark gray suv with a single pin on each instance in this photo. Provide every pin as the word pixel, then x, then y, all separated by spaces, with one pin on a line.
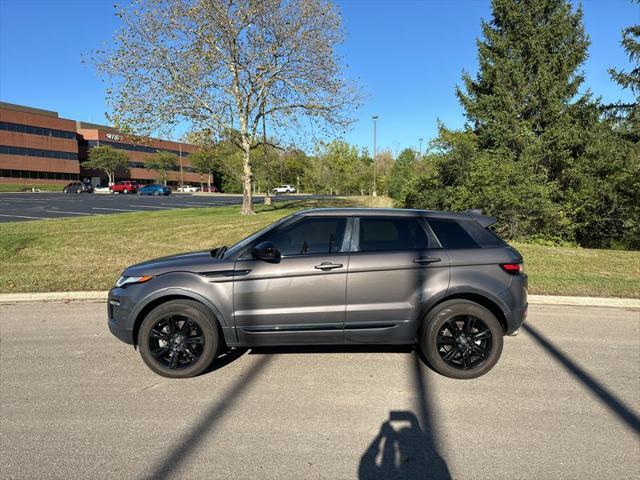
pixel 331 276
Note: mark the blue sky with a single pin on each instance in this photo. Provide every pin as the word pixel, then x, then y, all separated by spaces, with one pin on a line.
pixel 408 56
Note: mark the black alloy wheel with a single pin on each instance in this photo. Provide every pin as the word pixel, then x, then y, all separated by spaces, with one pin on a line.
pixel 176 341
pixel 179 339
pixel 461 339
pixel 464 342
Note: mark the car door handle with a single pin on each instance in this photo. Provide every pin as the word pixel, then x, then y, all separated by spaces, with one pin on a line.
pixel 426 260
pixel 326 266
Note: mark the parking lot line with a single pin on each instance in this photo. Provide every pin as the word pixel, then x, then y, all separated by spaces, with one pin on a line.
pixel 151 206
pixel 24 216
pixel 70 213
pixel 117 209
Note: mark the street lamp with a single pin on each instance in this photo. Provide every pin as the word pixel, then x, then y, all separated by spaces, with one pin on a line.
pixel 375 154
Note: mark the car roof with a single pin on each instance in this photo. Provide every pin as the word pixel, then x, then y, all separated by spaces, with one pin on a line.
pixel 484 220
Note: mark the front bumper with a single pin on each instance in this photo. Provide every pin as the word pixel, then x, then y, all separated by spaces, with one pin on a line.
pixel 119 307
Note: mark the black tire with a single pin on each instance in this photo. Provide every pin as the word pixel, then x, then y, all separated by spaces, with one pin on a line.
pixel 461 339
pixel 202 324
pixel 156 193
pixel 125 191
pixel 79 191
pixel 64 190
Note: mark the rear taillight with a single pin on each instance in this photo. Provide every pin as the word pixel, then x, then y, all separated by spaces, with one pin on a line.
pixel 512 268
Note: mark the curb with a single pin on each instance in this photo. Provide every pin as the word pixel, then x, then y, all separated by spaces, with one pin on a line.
pixel 613 302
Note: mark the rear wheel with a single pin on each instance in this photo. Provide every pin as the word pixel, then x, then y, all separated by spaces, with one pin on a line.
pixel 461 339
pixel 125 191
pixel 179 339
pixel 79 190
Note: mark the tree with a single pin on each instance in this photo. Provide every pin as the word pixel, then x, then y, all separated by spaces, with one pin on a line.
pixel 162 163
pixel 107 159
pixel 628 113
pixel 227 64
pixel 206 162
pixel 528 79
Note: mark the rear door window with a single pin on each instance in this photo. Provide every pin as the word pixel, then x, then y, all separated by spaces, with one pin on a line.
pixel 386 234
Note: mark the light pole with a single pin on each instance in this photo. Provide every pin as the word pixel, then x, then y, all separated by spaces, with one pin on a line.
pixel 420 140
pixel 375 153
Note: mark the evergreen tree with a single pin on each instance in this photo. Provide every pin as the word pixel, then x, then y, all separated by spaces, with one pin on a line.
pixel 520 101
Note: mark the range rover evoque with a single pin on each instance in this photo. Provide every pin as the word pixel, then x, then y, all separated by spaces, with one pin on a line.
pixel 444 281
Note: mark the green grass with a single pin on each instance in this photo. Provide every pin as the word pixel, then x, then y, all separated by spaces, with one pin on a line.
pixel 19 187
pixel 89 253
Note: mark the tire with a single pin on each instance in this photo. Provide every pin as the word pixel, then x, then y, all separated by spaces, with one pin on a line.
pixel 125 191
pixel 457 347
pixel 78 191
pixel 64 190
pixel 156 193
pixel 202 324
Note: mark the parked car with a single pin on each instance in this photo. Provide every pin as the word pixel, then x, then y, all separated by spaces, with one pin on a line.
pixel 78 187
pixel 284 189
pixel 212 189
pixel 154 189
pixel 188 189
pixel 331 276
pixel 124 187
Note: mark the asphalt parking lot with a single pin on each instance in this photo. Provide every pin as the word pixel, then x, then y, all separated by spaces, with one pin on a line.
pixel 16 207
pixel 562 402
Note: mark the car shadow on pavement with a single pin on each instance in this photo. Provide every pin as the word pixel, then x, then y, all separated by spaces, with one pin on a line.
pixel 607 398
pixel 403 449
pixel 179 453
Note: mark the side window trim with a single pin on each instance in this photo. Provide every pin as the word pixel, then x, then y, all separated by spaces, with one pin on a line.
pixel 433 239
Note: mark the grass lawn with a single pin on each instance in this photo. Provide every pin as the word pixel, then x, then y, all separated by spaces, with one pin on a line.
pixel 89 253
pixel 19 187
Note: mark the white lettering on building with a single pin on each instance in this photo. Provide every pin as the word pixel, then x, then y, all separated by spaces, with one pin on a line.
pixel 112 136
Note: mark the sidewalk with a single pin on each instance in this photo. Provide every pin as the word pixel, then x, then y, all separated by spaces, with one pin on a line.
pixel 8 298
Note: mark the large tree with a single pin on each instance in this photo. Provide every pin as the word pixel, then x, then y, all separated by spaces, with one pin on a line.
pixel 227 64
pixel 107 159
pixel 528 80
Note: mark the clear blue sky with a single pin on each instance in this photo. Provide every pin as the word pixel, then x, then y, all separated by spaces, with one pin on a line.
pixel 408 56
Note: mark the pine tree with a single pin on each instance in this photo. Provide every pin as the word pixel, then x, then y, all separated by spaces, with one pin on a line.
pixel 628 113
pixel 523 96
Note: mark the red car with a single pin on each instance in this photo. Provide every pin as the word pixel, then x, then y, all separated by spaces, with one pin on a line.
pixel 213 189
pixel 124 187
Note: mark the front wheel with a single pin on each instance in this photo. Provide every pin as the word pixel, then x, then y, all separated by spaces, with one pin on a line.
pixel 125 191
pixel 179 339
pixel 461 339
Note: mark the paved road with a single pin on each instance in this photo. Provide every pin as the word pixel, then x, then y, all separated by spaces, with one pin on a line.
pixel 16 207
pixel 562 403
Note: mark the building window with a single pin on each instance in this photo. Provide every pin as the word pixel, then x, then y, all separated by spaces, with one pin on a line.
pixel 36 152
pixel 36 175
pixel 134 148
pixel 33 130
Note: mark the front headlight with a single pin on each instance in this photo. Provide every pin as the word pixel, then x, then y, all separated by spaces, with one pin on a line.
pixel 123 281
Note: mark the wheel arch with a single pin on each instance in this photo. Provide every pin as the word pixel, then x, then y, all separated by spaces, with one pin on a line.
pixel 484 299
pixel 154 302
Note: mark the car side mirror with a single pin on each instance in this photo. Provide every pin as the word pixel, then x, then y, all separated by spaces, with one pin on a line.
pixel 266 251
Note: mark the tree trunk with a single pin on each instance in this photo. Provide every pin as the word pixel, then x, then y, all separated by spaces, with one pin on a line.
pixel 209 179
pixel 110 177
pixel 247 199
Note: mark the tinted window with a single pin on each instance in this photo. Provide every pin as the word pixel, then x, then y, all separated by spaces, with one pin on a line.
pixel 451 234
pixel 483 236
pixel 309 236
pixel 382 234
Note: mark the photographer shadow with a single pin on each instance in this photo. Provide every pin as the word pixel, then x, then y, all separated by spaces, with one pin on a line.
pixel 401 450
